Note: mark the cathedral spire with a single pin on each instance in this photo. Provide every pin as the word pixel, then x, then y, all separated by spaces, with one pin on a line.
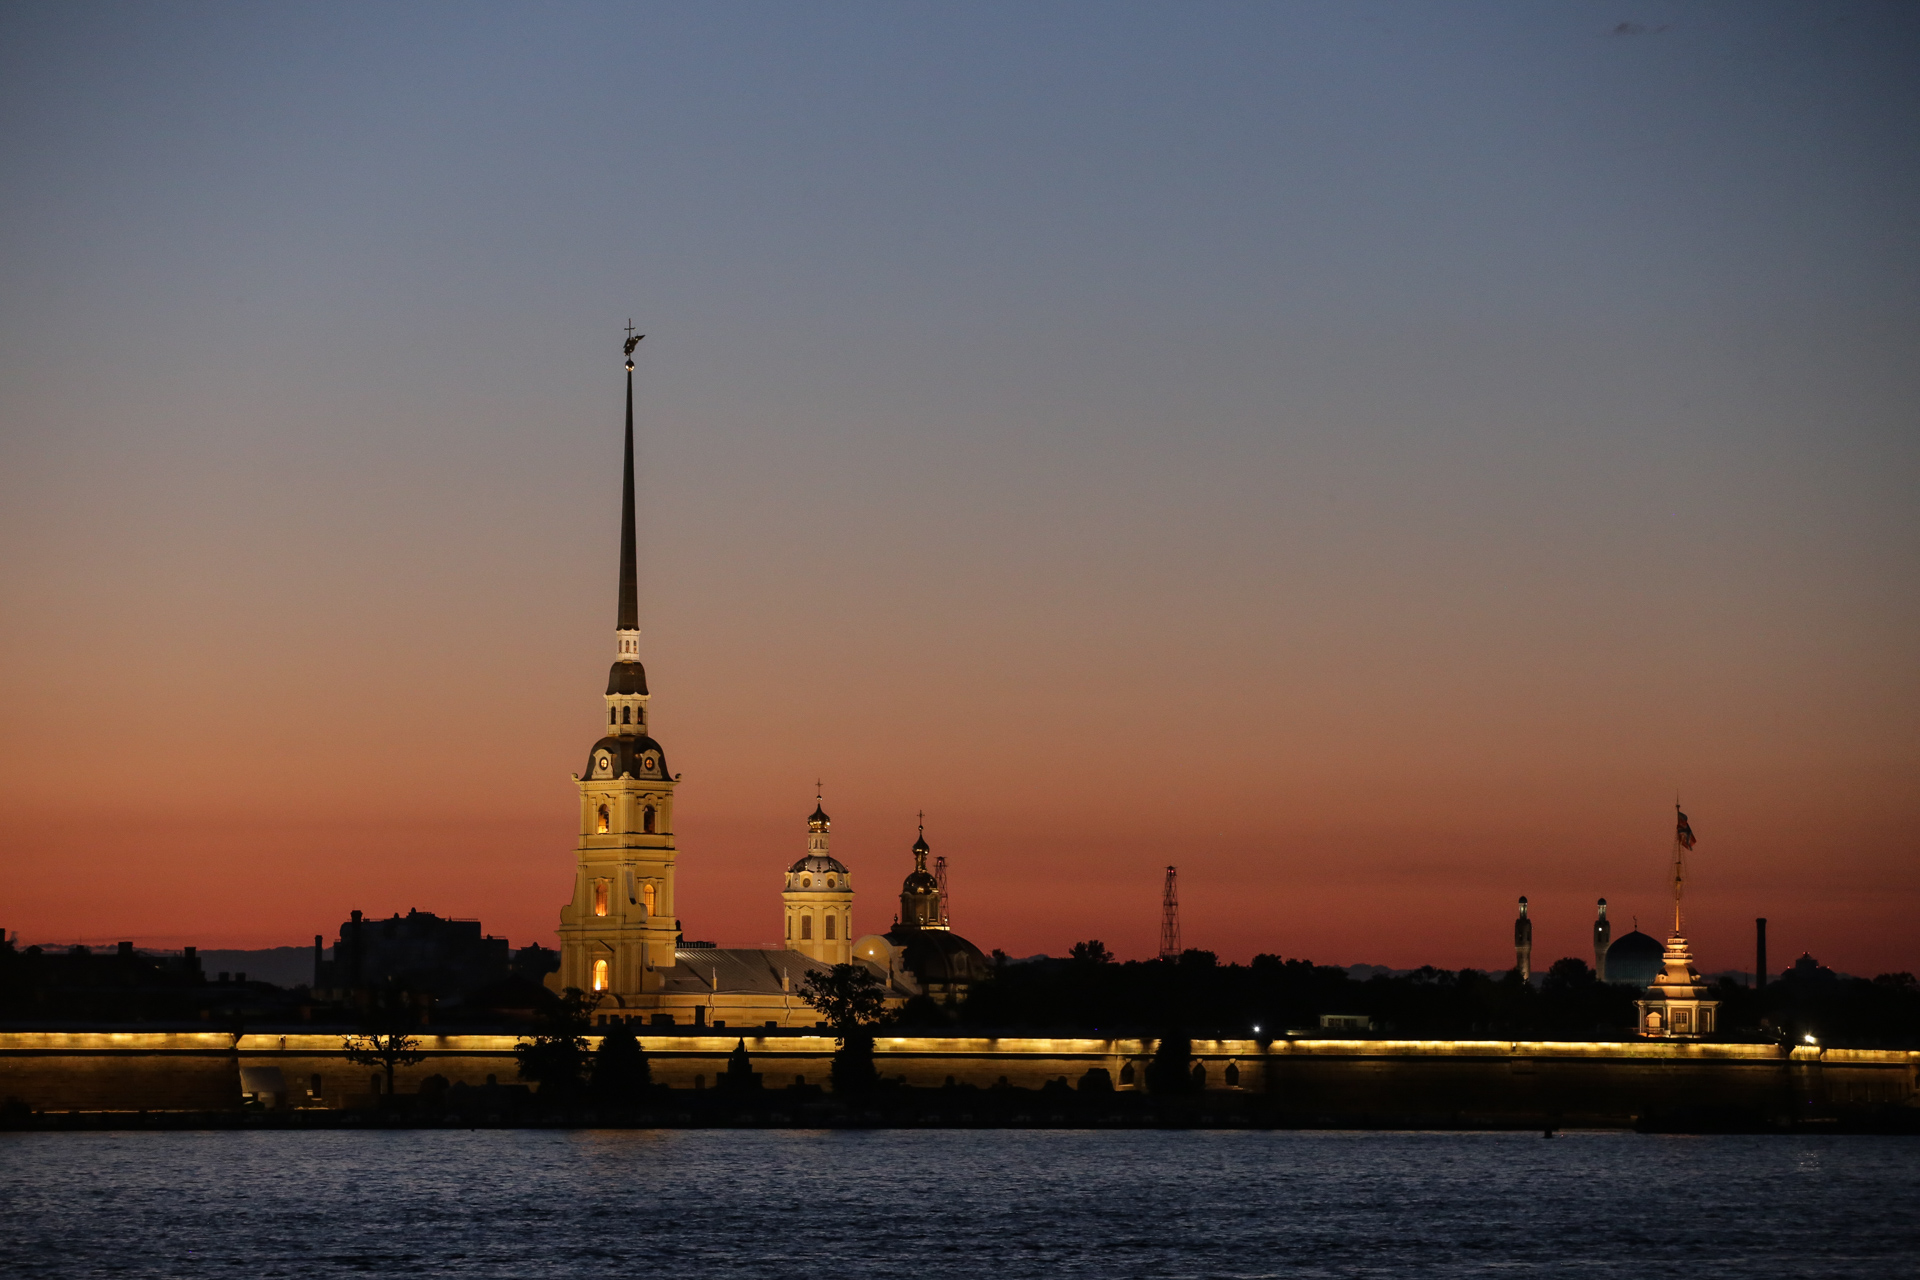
pixel 629 574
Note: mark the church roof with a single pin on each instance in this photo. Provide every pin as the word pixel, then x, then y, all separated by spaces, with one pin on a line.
pixel 744 971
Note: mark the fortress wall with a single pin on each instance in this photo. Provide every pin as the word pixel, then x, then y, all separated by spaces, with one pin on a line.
pixel 1439 1082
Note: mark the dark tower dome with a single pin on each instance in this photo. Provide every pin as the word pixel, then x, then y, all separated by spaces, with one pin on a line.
pixel 920 891
pixel 818 819
pixel 628 678
pixel 634 754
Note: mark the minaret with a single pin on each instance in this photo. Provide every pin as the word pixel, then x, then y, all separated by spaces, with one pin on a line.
pixel 1602 935
pixel 617 936
pixel 818 898
pixel 1523 943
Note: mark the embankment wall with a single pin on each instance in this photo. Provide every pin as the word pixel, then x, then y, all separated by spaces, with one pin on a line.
pixel 1314 1081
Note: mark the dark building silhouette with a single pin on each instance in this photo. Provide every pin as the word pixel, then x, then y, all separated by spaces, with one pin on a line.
pixel 420 953
pixel 122 985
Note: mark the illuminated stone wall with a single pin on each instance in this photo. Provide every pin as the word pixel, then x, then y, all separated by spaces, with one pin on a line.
pixel 1311 1081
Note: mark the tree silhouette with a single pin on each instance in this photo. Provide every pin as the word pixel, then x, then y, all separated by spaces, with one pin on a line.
pixel 384 1040
pixel 621 1073
pixel 847 996
pixel 1169 1073
pixel 556 1056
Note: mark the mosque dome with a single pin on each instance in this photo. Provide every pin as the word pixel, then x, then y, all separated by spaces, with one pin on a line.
pixel 1635 959
pixel 817 872
pixel 627 678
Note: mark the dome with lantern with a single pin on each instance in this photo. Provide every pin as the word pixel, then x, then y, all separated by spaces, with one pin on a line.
pixel 818 872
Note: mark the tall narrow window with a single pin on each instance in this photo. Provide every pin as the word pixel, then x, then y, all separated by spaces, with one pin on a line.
pixel 599 975
pixel 646 819
pixel 829 926
pixel 626 715
pixel 606 820
pixel 613 717
pixel 806 928
pixel 789 928
pixel 599 897
pixel 646 896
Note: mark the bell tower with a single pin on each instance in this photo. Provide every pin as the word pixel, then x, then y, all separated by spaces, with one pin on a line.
pixel 617 936
pixel 817 899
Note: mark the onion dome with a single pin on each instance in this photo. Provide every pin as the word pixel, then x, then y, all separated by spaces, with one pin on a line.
pixel 818 819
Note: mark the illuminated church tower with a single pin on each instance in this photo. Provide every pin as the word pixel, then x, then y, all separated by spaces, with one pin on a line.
pixel 818 898
pixel 617 936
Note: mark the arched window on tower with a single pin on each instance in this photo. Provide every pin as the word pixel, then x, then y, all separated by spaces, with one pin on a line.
pixel 626 715
pixel 806 928
pixel 599 897
pixel 613 717
pixel 606 821
pixel 646 898
pixel 599 975
pixel 829 926
pixel 646 819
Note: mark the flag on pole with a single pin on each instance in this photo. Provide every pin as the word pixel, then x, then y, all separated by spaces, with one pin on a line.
pixel 1684 833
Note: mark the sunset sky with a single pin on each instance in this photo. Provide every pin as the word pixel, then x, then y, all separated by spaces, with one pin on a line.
pixel 1373 457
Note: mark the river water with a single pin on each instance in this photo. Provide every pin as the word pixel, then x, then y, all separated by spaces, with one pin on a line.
pixel 984 1204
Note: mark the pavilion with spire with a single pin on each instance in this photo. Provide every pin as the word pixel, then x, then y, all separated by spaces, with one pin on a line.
pixel 1676 1004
